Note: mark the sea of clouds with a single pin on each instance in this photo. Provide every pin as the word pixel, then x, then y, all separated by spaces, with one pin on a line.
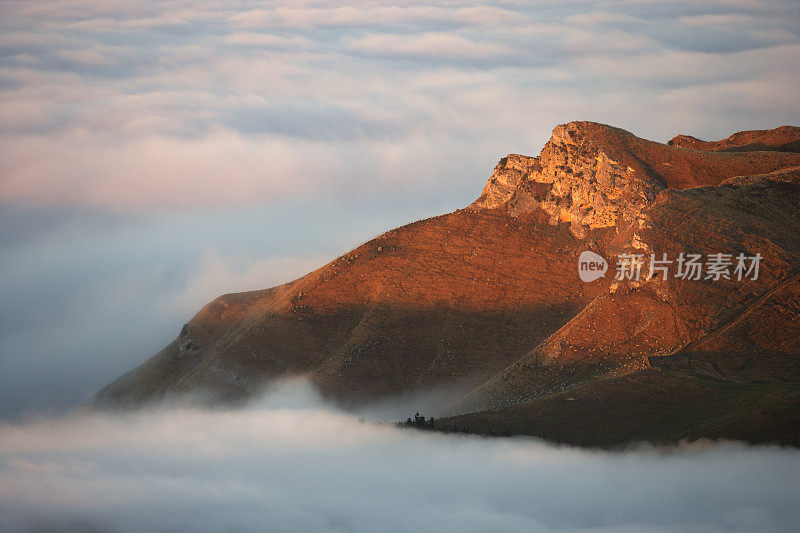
pixel 186 103
pixel 288 462
pixel 155 154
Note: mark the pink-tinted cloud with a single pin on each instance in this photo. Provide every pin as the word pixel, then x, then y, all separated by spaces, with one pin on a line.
pixel 125 105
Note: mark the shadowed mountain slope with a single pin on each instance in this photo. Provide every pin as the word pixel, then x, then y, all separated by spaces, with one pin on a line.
pixel 445 301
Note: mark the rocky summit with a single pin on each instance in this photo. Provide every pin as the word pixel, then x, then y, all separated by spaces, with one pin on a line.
pixel 691 333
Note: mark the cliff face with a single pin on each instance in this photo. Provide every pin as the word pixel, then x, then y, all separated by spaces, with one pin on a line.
pixel 593 176
pixel 579 178
pixel 488 300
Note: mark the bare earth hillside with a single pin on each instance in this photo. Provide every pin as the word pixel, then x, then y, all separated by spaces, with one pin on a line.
pixel 487 300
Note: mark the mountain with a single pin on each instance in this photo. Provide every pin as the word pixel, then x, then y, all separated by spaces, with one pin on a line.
pixel 486 302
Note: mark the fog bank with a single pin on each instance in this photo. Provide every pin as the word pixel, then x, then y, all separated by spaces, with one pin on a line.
pixel 154 155
pixel 289 463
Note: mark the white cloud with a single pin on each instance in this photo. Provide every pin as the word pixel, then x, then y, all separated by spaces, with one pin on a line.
pixel 216 275
pixel 593 18
pixel 725 19
pixel 89 58
pixel 290 463
pixel 266 40
pixel 367 112
pixel 131 105
pixel 430 44
pixel 367 14
pixel 84 169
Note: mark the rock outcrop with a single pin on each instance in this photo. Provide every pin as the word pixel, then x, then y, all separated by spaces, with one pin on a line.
pixel 594 176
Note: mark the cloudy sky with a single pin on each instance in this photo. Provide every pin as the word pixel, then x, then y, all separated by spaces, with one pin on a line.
pixel 156 154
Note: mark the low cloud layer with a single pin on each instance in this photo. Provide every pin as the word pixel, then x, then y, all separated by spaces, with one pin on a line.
pixel 135 106
pixel 88 296
pixel 288 463
pixel 156 153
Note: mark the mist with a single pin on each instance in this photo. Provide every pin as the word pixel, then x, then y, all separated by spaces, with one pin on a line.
pixel 288 462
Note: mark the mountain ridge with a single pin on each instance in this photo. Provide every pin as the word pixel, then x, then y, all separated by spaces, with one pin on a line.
pixel 487 298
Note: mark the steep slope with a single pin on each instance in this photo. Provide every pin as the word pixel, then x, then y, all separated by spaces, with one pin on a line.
pixel 623 329
pixel 445 301
pixel 488 298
